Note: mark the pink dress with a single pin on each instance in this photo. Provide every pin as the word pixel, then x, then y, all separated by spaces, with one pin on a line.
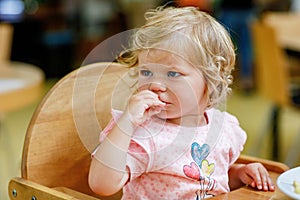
pixel 167 161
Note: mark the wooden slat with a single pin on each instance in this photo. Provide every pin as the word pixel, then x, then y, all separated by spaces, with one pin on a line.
pixel 74 193
pixel 21 189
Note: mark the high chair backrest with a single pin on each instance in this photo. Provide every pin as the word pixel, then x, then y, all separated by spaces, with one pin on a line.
pixel 270 64
pixel 65 127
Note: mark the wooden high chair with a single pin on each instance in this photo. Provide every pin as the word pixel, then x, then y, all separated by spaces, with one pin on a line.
pixel 64 130
pixel 272 75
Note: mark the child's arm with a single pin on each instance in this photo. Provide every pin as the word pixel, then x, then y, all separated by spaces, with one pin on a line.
pixel 253 174
pixel 108 173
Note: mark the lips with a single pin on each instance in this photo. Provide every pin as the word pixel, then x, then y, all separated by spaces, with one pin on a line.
pixel 165 102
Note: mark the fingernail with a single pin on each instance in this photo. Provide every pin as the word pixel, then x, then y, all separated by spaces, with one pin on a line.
pixel 272 187
pixel 259 187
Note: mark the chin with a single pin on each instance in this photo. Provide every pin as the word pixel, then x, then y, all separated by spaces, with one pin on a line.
pixel 165 115
pixel 162 115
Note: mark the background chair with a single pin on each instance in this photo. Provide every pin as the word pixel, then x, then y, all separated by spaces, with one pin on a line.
pixel 272 76
pixel 6 32
pixel 64 131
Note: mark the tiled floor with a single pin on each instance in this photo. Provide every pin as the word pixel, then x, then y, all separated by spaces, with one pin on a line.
pixel 252 112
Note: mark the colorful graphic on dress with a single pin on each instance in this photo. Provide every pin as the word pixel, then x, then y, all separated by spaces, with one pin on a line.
pixel 201 170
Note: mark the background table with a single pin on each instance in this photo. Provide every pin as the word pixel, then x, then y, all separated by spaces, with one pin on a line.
pixel 20 85
pixel 287 27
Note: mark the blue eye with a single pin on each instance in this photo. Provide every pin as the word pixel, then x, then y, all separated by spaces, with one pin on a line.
pixel 146 73
pixel 173 74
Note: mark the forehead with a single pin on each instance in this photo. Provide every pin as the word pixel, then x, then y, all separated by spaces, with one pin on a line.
pixel 162 57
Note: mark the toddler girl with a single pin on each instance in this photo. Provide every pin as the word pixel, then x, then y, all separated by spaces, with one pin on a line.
pixel 171 142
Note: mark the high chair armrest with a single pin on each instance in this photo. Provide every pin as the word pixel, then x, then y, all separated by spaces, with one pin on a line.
pixel 270 165
pixel 20 189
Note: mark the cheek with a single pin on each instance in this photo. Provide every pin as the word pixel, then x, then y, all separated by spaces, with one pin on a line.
pixel 191 95
pixel 142 87
pixel 142 84
pixel 193 89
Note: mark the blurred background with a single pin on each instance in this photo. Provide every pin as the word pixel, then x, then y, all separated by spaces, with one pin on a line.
pixel 55 36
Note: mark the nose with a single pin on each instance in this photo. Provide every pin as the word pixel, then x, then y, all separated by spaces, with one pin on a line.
pixel 157 87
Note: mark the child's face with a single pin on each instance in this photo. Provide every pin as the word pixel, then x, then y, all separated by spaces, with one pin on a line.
pixel 180 85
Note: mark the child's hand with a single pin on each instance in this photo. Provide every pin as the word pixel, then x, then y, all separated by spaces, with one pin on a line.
pixel 256 175
pixel 143 105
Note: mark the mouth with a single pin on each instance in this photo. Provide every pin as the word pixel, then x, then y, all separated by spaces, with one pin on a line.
pixel 167 103
pixel 162 100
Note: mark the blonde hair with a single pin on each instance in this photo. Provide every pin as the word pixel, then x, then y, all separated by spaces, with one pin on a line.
pixel 193 34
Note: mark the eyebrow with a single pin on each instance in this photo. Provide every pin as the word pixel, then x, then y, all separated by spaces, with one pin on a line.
pixel 172 67
pixel 176 68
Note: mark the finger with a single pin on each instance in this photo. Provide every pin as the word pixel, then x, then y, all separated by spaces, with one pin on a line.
pixel 154 104
pixel 254 174
pixel 263 184
pixel 149 95
pixel 154 110
pixel 264 178
pixel 271 184
pixel 267 183
pixel 260 179
pixel 141 113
